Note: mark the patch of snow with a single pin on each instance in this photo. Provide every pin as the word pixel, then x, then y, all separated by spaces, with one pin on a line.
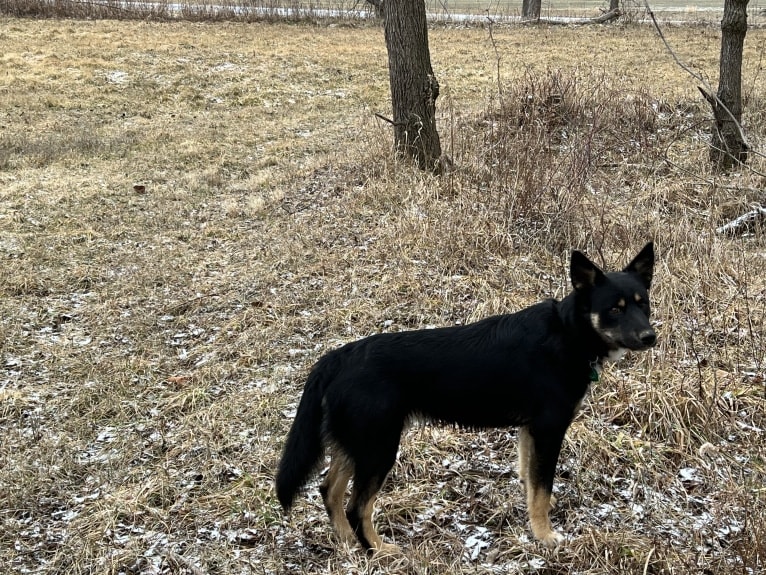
pixel 117 77
pixel 478 541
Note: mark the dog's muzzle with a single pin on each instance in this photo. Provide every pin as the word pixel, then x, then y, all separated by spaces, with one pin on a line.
pixel 648 338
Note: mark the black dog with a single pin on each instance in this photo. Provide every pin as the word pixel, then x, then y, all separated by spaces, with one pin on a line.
pixel 529 369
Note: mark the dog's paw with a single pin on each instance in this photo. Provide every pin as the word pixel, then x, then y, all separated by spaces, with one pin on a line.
pixel 553 501
pixel 387 549
pixel 552 539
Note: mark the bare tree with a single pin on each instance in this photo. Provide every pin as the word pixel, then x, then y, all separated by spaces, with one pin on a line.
pixel 729 146
pixel 530 9
pixel 414 87
pixel 378 4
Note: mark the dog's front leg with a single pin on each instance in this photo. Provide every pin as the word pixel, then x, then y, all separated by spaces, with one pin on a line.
pixel 525 449
pixel 525 453
pixel 543 447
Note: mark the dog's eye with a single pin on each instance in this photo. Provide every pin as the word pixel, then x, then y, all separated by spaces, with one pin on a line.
pixel 616 310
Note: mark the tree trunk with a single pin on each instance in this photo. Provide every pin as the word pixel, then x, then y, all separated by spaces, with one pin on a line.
pixel 530 9
pixel 614 5
pixel 378 4
pixel 414 88
pixel 729 147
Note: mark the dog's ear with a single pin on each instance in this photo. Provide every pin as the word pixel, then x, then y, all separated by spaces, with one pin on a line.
pixel 583 272
pixel 643 265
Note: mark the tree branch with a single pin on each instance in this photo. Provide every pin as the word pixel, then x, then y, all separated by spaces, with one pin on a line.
pixel 711 93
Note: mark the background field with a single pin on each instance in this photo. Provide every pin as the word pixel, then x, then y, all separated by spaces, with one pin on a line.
pixel 455 11
pixel 192 213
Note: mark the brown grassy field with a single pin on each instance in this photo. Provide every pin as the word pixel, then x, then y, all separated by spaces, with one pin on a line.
pixel 632 11
pixel 192 213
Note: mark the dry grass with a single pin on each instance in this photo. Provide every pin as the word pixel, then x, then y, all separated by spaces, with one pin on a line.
pixel 154 341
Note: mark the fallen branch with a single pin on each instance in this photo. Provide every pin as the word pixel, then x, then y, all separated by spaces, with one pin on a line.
pixel 745 222
pixel 607 16
pixel 603 19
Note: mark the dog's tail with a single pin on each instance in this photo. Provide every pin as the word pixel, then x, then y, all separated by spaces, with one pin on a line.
pixel 304 445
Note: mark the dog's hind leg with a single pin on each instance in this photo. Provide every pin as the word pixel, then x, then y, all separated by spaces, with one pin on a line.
pixel 370 472
pixel 360 515
pixel 544 449
pixel 333 490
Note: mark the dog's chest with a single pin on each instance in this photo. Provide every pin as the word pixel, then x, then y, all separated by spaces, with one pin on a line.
pixel 581 401
pixel 615 355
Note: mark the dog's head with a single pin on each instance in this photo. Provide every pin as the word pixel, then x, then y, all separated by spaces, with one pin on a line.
pixel 618 302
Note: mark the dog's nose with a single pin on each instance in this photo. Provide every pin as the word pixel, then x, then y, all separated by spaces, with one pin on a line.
pixel 648 338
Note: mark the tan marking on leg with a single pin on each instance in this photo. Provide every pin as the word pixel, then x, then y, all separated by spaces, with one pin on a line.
pixel 368 530
pixel 371 535
pixel 525 446
pixel 539 504
pixel 333 492
pixel 526 458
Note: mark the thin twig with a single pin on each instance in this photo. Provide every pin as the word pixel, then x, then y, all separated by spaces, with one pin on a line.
pixel 648 557
pixel 385 119
pixel 490 21
pixel 695 174
pixel 695 75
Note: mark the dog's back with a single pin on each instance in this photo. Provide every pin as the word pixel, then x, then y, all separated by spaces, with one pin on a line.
pixel 486 374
